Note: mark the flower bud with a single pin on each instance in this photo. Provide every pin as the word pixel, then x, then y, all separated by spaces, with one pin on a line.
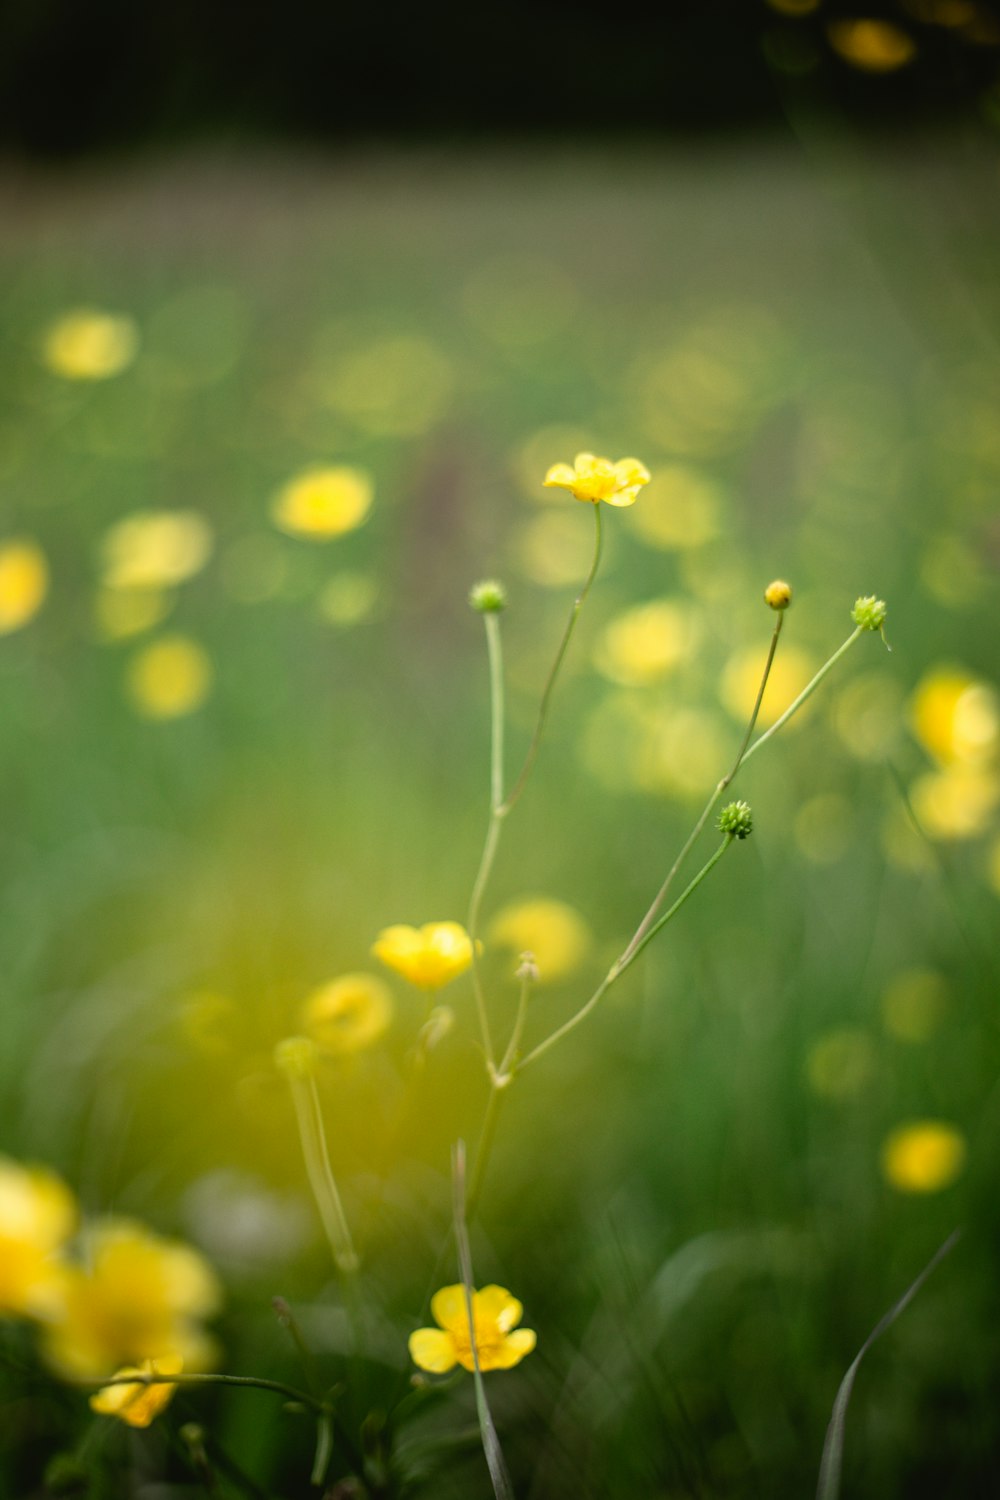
pixel 527 969
pixel 736 820
pixel 869 612
pixel 488 596
pixel 778 595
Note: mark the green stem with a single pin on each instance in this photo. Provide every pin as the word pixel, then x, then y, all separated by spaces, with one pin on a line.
pixel 806 692
pixel 494 651
pixel 485 1146
pixel 629 958
pixel 140 1377
pixel 543 709
pixel 309 1115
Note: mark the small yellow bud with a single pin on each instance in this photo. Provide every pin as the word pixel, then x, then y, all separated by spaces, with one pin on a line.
pixel 778 595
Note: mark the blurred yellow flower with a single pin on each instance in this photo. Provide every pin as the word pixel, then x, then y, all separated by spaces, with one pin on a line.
pixel 122 613
pixel 90 345
pixel 552 931
pixel 429 957
pixel 682 509
pixel 955 716
pixel 134 1297
pixel 155 549
pixel 323 502
pixel 348 598
pixel 139 1403
pixel 500 1344
pixel 24 583
pixel 873 46
pixel 790 672
pixel 595 479
pixel 169 678
pixel 923 1156
pixel 348 1014
pixel 37 1216
pixel 957 803
pixel 644 644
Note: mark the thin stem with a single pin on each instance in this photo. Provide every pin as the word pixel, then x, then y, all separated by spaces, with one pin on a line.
pixel 485 1147
pixel 141 1377
pixel 529 760
pixel 510 1056
pixel 621 964
pixel 638 939
pixel 494 651
pixel 309 1115
pixel 806 692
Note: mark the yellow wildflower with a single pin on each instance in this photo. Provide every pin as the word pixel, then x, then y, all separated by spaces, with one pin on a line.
pixel 155 549
pixel 169 678
pixel 429 957
pixel 500 1344
pixel 24 582
pixel 595 479
pixel 552 931
pixel 323 502
pixel 134 1297
pixel 955 716
pixel 90 345
pixel 138 1403
pixel 923 1156
pixel 37 1217
pixel 348 1014
pixel 874 46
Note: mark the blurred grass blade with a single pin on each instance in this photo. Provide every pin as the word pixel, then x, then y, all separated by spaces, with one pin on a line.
pixel 499 1476
pixel 828 1487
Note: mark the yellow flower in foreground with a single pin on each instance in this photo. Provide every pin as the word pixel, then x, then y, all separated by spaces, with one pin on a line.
pixel 169 678
pixel 37 1217
pixel 923 1157
pixel 90 345
pixel 139 1403
pixel 24 582
pixel 552 931
pixel 134 1297
pixel 348 1014
pixel 429 957
pixel 323 503
pixel 595 479
pixel 155 549
pixel 500 1344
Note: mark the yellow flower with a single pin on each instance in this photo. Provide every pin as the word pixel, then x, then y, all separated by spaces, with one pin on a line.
pixel 646 643
pixel 139 1403
pixel 169 678
pixel 134 1297
pixel 552 931
pixel 955 716
pixel 923 1156
pixel 323 502
pixel 429 957
pixel 90 345
pixel 37 1217
pixel 595 479
pixel 24 582
pixel 500 1344
pixel 155 549
pixel 347 1014
pixel 956 803
pixel 871 45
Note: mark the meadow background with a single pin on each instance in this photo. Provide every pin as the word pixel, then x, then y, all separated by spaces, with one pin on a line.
pixel 797 333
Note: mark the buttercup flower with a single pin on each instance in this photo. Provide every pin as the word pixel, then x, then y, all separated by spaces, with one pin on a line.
pixel 348 1014
pixel 138 1404
pixel 169 678
pixel 595 479
pixel 552 931
pixel 90 345
pixel 923 1156
pixel 37 1217
pixel 429 957
pixel 500 1344
pixel 135 1297
pixel 321 503
pixel 155 549
pixel 24 582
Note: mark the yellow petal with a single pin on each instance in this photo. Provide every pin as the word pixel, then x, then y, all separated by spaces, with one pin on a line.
pixel 494 1304
pixel 513 1349
pixel 449 1311
pixel 560 475
pixel 631 472
pixel 433 1350
pixel 585 463
pixel 622 497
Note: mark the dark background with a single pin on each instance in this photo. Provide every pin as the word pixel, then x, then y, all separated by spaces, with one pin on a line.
pixel 112 74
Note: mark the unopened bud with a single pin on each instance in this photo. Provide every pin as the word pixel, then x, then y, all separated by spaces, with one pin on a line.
pixel 488 596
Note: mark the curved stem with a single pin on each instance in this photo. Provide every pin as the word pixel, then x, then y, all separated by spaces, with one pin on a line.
pixel 140 1377
pixel 806 692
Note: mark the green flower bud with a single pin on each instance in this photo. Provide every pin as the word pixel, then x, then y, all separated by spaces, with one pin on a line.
pixel 869 612
pixel 736 819
pixel 488 596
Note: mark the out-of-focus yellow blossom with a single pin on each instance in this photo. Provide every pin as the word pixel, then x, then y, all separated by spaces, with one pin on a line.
pixel 554 550
pixel 592 478
pixel 955 716
pixel 956 803
pixel 646 643
pixel 923 1156
pixel 155 549
pixel 135 1296
pixel 24 583
pixel 500 1344
pixel 429 957
pixel 873 46
pixel 841 1063
pixel 122 613
pixel 396 386
pixel 674 750
pixel 552 931
pixel 37 1216
pixel 682 509
pixel 790 672
pixel 323 502
pixel 348 1014
pixel 90 345
pixel 139 1403
pixel 914 1004
pixel 169 678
